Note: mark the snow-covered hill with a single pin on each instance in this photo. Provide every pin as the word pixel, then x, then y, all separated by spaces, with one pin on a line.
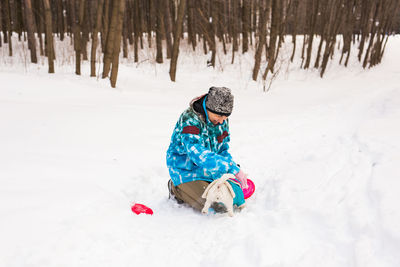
pixel 75 154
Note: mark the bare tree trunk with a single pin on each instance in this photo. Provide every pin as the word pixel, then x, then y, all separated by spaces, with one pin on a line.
pixel 49 35
pixel 387 11
pixel 191 24
pixel 19 23
pixel 212 32
pixel 235 26
pixel 6 6
pixel 60 18
pixel 364 24
pixel 141 24
pixel 106 25
pixel 110 44
pixel 373 31
pixel 129 9
pixel 168 30
pixel 78 37
pixel 294 33
pixel 95 37
pixel 275 19
pixel 262 25
pixel 220 30
pixel 3 23
pixel 125 35
pixel 348 29
pixel 30 30
pixel 325 23
pixel 177 35
pixel 255 11
pixel 282 24
pixel 136 29
pixel 159 30
pixel 150 18
pixel 204 25
pixel 313 6
pixel 40 24
pixel 246 16
pixel 391 9
pixel 334 27
pixel 85 24
pixel 117 42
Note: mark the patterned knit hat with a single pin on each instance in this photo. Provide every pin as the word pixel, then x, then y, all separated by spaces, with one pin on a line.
pixel 220 101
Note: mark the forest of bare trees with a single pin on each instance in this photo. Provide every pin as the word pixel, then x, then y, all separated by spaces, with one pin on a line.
pixel 234 25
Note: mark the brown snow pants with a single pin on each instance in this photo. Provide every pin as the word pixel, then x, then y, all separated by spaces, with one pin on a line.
pixel 190 193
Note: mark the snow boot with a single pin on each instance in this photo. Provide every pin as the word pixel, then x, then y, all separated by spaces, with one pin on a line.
pixel 172 190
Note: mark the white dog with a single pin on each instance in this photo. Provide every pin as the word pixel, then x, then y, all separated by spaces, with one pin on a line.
pixel 220 191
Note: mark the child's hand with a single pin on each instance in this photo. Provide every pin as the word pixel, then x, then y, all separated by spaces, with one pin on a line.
pixel 242 177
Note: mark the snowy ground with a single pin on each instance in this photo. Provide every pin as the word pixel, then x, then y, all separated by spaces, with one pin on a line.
pixel 75 154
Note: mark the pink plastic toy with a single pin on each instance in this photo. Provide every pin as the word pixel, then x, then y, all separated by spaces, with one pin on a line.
pixel 249 191
pixel 140 208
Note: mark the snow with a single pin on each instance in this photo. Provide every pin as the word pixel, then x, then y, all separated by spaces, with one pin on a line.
pixel 75 154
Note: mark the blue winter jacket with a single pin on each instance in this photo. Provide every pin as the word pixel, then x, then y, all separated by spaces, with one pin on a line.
pixel 199 149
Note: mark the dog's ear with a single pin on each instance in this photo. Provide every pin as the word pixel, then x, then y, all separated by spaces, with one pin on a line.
pixel 230 189
pixel 205 193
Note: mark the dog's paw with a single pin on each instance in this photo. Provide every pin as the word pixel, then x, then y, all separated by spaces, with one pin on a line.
pixel 242 206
